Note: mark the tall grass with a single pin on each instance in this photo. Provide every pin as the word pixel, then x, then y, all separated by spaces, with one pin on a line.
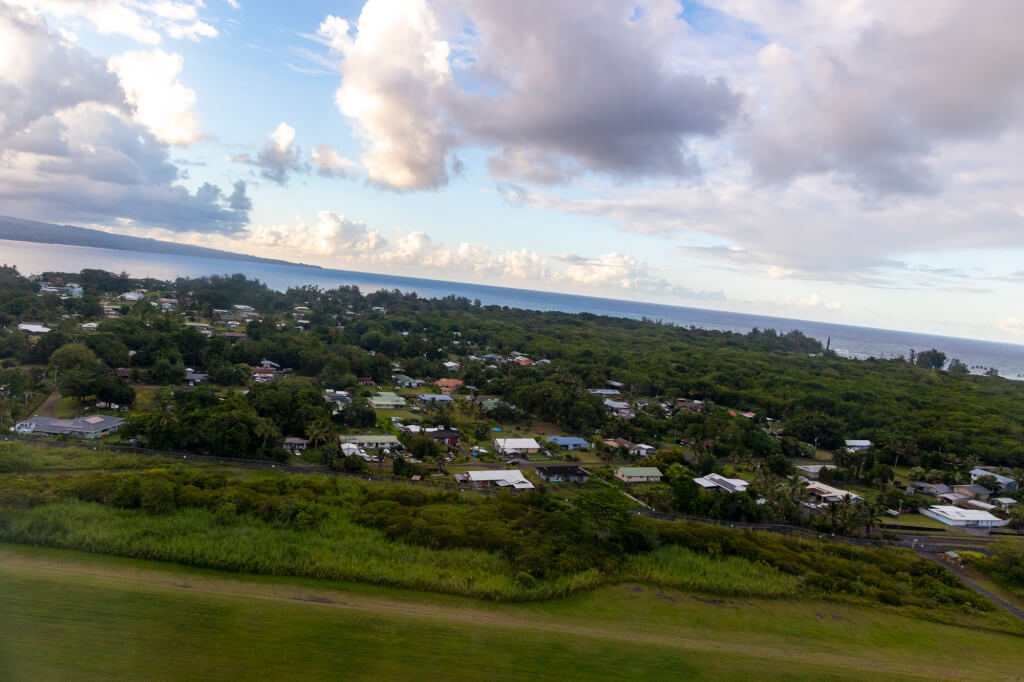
pixel 337 550
pixel 17 457
pixel 681 568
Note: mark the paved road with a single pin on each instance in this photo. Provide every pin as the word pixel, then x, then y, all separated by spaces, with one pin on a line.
pixel 973 585
pixel 49 406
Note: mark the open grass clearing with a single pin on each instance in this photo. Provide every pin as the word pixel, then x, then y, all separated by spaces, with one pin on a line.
pixel 124 619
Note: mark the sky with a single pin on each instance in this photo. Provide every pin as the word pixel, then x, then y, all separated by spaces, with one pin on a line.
pixel 854 161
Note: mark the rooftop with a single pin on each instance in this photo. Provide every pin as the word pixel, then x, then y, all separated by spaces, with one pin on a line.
pixel 639 471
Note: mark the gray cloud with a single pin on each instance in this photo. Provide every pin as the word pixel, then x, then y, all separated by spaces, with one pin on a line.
pixel 875 111
pixel 279 156
pixel 71 150
pixel 558 89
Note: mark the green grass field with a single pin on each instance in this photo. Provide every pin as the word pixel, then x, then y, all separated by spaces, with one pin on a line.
pixel 68 615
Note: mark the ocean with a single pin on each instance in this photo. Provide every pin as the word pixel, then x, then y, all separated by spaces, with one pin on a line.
pixel 848 340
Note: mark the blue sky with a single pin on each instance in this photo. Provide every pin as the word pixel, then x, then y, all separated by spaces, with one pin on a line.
pixel 856 162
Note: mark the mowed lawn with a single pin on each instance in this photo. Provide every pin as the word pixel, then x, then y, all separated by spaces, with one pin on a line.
pixel 67 615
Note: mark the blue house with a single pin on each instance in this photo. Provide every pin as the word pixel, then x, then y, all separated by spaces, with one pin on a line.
pixel 570 442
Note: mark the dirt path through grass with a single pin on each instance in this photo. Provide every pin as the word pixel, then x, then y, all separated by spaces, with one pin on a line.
pixel 48 408
pixel 679 635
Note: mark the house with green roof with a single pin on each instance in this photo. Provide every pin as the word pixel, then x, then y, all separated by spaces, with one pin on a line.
pixel 638 474
pixel 387 401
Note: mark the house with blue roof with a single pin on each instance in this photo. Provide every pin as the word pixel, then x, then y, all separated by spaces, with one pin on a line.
pixel 570 442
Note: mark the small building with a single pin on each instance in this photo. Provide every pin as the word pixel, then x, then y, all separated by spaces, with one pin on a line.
pixel 502 478
pixel 718 483
pixel 364 381
pixel 932 488
pixel 813 471
pixel 443 436
pixel 1005 482
pixel 192 377
pixel 262 375
pixel 406 381
pixel 338 400
pixel 434 398
pixel 89 326
pixel 956 499
pixel 618 408
pixel 822 494
pixel 1003 502
pixel 964 518
pixel 514 446
pixel 32 328
pixel 974 490
pixel 387 401
pixel 451 366
pixel 448 386
pixel 563 474
pixel 570 442
pixel 605 392
pixel 377 441
pixel 95 426
pixel 629 446
pixel 858 445
pixel 295 445
pixel 638 474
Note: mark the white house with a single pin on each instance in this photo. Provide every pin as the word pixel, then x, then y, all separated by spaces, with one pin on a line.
pixel 813 471
pixel 506 478
pixel 719 483
pixel 377 441
pixel 1005 482
pixel 858 445
pixel 510 446
pixel 964 518
pixel 638 474
pixel 823 493
pixel 451 366
pixel 30 328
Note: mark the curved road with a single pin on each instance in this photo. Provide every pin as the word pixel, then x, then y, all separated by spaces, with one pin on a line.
pixel 975 586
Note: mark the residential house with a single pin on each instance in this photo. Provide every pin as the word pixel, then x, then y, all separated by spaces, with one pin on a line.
pixel 857 445
pixel 1003 502
pixel 32 328
pixel 974 490
pixel 447 437
pixel 192 377
pixel 448 386
pixel 338 400
pixel 451 366
pixel 364 381
pixel 822 494
pixel 956 499
pixel 508 478
pixel 295 445
pixel 515 446
pixel 95 426
pixel 1005 482
pixel 964 518
pixel 718 483
pixel 434 398
pixel 638 474
pixel 89 326
pixel 406 381
pixel 630 447
pixel 522 361
pixel 563 474
pixel 387 401
pixel 618 408
pixel 262 375
pixel 570 442
pixel 605 392
pixel 614 384
pixel 377 441
pixel 132 296
pixel 932 488
pixel 813 471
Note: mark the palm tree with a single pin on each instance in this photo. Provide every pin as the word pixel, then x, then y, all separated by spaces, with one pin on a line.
pixel 319 431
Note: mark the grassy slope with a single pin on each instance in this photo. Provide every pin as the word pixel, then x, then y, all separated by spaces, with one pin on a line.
pixel 69 615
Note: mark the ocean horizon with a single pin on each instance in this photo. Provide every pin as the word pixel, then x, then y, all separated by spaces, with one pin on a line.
pixel 847 340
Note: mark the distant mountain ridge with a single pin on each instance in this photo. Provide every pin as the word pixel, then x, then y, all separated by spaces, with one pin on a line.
pixel 22 230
